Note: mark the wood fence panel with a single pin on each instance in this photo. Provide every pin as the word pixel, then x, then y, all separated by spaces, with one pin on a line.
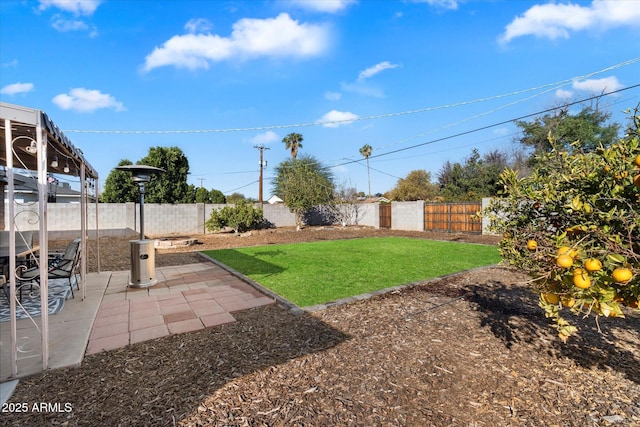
pixel 452 217
pixel 385 215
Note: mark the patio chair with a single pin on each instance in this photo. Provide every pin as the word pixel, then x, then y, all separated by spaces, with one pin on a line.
pixel 61 266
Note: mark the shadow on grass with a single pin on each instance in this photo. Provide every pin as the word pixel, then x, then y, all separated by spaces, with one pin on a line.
pixel 247 264
pixel 512 314
pixel 163 381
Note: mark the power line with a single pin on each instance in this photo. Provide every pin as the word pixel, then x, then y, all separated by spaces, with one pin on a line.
pixel 239 188
pixel 491 125
pixel 372 117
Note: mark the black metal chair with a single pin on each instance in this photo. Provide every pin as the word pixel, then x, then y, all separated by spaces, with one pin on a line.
pixel 60 266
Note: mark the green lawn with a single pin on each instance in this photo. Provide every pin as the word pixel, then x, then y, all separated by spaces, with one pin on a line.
pixel 319 272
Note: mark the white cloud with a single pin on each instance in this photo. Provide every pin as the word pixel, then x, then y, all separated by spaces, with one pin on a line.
pixel 78 7
pixel 274 37
pixel 501 131
pixel 334 119
pixel 327 6
pixel 16 88
pixel 12 63
pixel 64 25
pixel 332 96
pixel 593 86
pixel 362 89
pixel 554 20
pixel 198 25
pixel 606 84
pixel 372 71
pixel 564 94
pixel 86 100
pixel 264 138
pixel 443 4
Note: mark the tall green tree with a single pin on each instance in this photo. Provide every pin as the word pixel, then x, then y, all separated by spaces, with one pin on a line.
pixel 170 186
pixel 203 195
pixel 293 142
pixel 217 197
pixel 473 180
pixel 416 186
pixel 302 184
pixel 581 132
pixel 366 151
pixel 118 187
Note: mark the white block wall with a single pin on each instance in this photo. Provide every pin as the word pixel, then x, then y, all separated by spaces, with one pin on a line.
pixel 166 219
pixel 407 215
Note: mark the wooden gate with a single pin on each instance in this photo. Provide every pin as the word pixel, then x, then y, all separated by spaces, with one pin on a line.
pixel 385 215
pixel 453 217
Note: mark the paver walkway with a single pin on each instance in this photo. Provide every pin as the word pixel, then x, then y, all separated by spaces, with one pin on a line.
pixel 186 298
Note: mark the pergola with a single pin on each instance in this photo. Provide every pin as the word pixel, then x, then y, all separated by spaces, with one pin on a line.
pixel 29 140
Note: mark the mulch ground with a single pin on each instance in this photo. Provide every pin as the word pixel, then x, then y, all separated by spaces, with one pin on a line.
pixel 471 349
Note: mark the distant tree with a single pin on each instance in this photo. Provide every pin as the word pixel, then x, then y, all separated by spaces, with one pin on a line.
pixel 366 151
pixel 217 197
pixel 191 194
pixel 170 186
pixel 416 186
pixel 473 180
pixel 520 162
pixel 344 208
pixel 203 195
pixel 293 142
pixel 118 187
pixel 302 184
pixel 581 132
pixel 236 198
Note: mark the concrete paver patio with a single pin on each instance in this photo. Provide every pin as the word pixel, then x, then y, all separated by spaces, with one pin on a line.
pixel 112 315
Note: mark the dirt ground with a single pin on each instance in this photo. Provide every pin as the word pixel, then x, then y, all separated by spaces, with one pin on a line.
pixel 471 349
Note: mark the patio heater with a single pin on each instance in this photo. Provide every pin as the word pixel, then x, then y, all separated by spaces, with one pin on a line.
pixel 143 255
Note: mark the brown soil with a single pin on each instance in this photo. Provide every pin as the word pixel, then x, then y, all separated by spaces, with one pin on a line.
pixel 471 349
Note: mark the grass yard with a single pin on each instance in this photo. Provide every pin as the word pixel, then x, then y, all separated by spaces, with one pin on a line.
pixel 319 272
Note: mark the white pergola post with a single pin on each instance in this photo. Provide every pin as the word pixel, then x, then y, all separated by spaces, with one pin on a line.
pixel 12 244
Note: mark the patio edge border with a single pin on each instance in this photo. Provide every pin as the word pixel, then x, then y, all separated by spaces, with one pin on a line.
pixel 286 303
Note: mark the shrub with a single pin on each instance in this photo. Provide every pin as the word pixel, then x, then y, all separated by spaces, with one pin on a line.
pixel 241 217
pixel 574 226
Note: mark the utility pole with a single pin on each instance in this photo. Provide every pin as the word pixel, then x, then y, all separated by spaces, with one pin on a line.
pixel 261 147
pixel 201 179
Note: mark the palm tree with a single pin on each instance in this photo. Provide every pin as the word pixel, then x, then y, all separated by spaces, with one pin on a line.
pixel 366 152
pixel 292 142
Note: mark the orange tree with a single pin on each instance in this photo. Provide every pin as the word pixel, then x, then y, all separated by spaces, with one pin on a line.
pixel 574 226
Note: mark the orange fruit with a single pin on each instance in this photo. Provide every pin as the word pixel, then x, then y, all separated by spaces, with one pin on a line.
pixel 637 161
pixel 564 261
pixel 621 175
pixel 532 245
pixel 636 180
pixel 568 302
pixel 593 264
pixel 581 279
pixel 566 250
pixel 551 298
pixel 622 275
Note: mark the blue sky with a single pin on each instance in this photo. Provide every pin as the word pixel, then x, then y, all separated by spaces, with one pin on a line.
pixel 217 78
